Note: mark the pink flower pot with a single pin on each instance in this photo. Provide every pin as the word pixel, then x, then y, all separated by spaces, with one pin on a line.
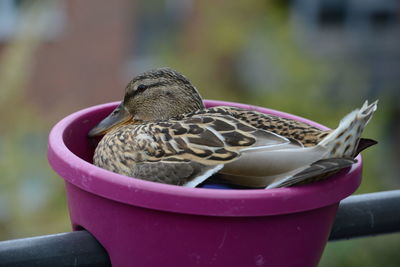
pixel 143 223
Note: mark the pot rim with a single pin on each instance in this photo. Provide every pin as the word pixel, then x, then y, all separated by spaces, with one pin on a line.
pixel 200 201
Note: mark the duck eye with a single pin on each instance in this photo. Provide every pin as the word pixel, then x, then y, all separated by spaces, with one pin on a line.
pixel 141 87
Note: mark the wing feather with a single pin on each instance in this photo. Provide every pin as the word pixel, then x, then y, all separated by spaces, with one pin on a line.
pixel 209 140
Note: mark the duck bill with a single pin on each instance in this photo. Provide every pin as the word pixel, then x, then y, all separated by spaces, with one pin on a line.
pixel 119 116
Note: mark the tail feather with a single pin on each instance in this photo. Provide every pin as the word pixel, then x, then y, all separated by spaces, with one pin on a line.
pixel 364 144
pixel 341 145
pixel 344 140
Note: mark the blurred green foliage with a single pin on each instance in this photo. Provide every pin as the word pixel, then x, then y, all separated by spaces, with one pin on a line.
pixel 32 201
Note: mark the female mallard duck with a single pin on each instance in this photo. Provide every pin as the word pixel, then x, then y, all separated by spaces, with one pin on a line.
pixel 162 132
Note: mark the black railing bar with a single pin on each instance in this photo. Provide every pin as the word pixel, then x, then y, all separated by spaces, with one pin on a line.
pixel 78 249
pixel 367 215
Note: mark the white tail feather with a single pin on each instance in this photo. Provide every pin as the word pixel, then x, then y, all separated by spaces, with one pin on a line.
pixel 343 141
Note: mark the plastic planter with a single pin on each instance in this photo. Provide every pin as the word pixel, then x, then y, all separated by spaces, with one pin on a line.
pixel 143 223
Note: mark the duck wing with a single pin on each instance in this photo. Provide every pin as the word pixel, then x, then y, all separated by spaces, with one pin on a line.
pixel 210 140
pixel 315 172
pixel 181 151
pixel 292 166
pixel 304 133
pixel 302 175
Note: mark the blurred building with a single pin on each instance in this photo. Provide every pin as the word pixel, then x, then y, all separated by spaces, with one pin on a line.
pixel 362 35
pixel 81 57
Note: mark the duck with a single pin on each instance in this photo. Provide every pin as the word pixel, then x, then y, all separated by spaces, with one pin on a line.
pixel 162 132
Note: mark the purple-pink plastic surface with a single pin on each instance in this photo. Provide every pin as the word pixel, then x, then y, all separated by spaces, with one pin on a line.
pixel 143 223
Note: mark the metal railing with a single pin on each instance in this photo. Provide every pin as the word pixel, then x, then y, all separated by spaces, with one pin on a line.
pixel 358 216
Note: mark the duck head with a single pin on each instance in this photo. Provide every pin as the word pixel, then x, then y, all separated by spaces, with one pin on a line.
pixel 155 95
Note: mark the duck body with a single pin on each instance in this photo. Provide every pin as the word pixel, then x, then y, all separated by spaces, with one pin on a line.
pixel 245 147
pixel 162 132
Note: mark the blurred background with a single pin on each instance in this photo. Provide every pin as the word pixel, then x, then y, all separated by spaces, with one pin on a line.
pixel 315 58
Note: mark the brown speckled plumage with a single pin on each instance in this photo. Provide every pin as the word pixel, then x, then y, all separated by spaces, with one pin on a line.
pixel 161 132
pixel 304 133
